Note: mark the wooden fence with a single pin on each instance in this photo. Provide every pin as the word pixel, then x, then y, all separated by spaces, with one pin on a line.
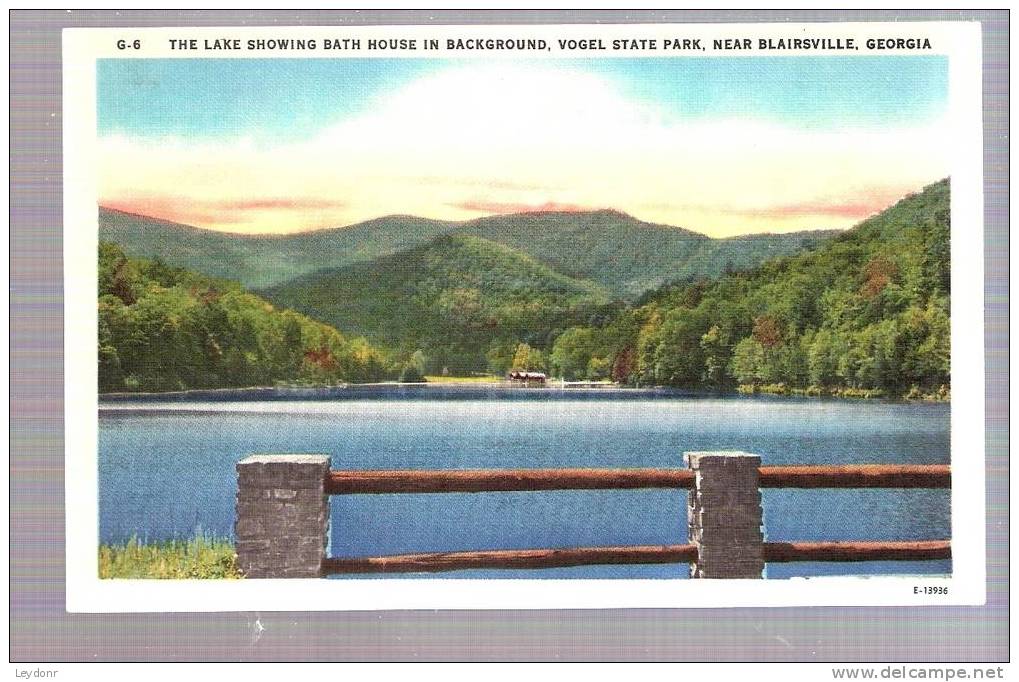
pixel 283 514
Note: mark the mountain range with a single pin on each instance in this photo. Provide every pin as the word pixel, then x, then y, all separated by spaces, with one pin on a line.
pixel 584 295
pixel 616 251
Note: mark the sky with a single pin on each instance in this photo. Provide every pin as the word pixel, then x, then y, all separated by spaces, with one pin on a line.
pixel 723 146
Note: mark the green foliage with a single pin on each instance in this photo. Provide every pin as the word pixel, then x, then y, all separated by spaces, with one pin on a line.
pixel 866 313
pixel 500 356
pixel 593 353
pixel 466 303
pixel 197 558
pixel 573 353
pixel 411 374
pixel 528 358
pixel 163 328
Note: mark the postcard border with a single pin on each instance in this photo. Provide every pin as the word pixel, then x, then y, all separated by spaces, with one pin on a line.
pixel 37 452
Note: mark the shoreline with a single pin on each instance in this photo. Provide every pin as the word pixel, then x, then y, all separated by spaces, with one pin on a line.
pixel 349 391
pixel 914 395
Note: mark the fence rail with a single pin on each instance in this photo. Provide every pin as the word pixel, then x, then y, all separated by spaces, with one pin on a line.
pixel 504 480
pixel 513 558
pixel 923 550
pixel 283 515
pixel 774 552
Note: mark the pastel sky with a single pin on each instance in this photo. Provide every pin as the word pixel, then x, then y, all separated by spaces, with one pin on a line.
pixel 722 146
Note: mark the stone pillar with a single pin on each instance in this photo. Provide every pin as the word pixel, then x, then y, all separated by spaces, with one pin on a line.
pixel 724 513
pixel 282 515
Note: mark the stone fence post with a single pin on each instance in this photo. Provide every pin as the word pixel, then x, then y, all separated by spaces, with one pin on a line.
pixel 724 515
pixel 282 515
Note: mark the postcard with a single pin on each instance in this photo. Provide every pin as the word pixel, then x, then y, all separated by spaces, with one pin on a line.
pixel 506 316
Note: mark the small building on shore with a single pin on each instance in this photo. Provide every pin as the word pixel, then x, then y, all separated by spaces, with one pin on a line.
pixel 526 377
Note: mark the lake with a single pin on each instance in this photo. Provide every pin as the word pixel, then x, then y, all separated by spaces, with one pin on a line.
pixel 166 467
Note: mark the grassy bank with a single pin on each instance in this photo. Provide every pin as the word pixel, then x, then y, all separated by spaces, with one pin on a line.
pixel 485 379
pixel 196 558
pixel 943 394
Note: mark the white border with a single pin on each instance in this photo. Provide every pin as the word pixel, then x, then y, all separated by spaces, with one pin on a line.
pixel 86 593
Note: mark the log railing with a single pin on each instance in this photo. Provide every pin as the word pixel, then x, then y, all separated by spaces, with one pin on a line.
pixel 774 552
pixel 504 480
pixel 283 514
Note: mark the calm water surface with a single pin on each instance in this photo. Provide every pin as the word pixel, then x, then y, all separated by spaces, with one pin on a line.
pixel 166 468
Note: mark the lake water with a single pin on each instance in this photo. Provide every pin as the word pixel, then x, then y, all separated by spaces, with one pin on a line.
pixel 166 468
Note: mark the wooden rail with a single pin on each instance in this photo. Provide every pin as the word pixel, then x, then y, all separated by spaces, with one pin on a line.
pixel 924 550
pixel 492 480
pixel 667 554
pixel 857 476
pixel 512 558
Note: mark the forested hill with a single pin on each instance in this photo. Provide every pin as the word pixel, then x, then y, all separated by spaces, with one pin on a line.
pixel 867 310
pixel 163 328
pixel 629 256
pixel 624 255
pixel 464 302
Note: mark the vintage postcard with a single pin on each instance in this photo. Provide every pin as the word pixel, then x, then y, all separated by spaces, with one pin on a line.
pixel 556 316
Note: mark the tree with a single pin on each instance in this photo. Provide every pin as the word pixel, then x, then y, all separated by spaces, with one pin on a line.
pixel 679 358
pixel 623 365
pixel 500 355
pixel 598 368
pixel 927 360
pixel 822 359
pixel 716 356
pixel 748 361
pixel 878 273
pixel 528 358
pixel 411 374
pixel 767 331
pixel 572 352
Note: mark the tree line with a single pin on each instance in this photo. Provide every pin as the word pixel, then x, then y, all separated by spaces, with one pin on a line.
pixel 163 328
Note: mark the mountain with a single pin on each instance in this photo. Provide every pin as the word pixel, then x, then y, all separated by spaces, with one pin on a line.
pixel 467 303
pixel 629 256
pixel 258 261
pixel 864 313
pixel 625 255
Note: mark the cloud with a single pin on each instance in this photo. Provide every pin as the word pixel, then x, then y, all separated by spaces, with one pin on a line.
pixel 503 208
pixel 179 209
pixel 488 183
pixel 857 205
pixel 191 211
pixel 530 137
pixel 845 208
pixel 276 204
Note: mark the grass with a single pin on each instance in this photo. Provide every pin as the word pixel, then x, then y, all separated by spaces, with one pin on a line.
pixel 943 394
pixel 197 558
pixel 812 390
pixel 485 379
